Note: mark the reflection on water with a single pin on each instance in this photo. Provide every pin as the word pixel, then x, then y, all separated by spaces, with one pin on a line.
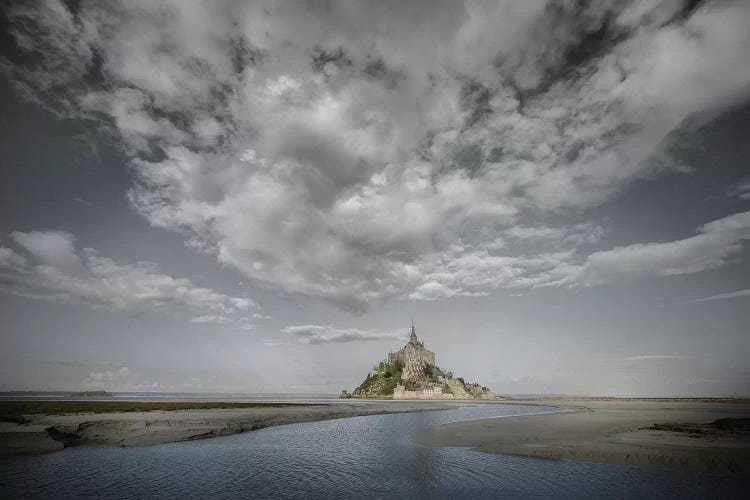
pixel 362 457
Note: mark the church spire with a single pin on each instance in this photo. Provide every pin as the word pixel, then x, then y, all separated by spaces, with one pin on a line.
pixel 413 336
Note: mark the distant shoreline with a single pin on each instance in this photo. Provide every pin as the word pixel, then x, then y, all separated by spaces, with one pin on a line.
pixel 697 434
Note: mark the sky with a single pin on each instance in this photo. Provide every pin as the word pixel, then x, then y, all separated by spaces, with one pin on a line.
pixel 260 196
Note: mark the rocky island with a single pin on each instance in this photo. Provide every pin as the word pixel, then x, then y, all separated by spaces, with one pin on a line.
pixel 411 373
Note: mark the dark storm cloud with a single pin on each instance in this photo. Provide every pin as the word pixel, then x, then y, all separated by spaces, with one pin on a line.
pixel 356 152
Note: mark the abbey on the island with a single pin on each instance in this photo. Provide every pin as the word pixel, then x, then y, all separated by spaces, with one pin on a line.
pixel 414 358
pixel 411 373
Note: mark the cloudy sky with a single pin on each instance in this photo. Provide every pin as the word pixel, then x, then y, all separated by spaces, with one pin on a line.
pixel 260 196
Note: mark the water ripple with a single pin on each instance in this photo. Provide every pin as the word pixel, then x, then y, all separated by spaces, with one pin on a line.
pixel 362 458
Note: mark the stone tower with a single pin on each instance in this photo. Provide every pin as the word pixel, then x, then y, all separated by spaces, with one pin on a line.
pixel 415 359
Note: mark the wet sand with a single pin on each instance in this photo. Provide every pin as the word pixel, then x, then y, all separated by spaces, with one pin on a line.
pixel 44 433
pixel 615 431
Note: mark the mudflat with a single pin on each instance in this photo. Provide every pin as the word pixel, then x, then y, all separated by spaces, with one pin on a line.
pixel 43 427
pixel 699 435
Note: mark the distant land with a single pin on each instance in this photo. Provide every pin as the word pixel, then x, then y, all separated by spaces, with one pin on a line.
pixel 91 394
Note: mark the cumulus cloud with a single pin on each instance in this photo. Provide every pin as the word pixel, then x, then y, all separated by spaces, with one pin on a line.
pixel 54 270
pixel 321 334
pixel 347 151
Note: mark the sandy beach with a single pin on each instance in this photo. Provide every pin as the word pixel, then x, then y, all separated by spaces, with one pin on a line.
pixel 676 434
pixel 50 432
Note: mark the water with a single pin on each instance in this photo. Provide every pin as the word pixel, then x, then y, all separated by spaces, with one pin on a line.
pixel 361 457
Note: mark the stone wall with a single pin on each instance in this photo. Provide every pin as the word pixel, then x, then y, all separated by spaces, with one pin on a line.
pixel 435 392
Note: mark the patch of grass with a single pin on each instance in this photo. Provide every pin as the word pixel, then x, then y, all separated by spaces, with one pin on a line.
pixel 447 389
pixel 381 383
pixel 15 411
pixel 730 425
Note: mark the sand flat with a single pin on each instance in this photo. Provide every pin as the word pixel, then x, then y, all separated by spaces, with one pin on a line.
pixel 51 432
pixel 611 431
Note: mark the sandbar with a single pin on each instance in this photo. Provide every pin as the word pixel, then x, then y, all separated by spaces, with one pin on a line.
pixel 676 434
pixel 42 432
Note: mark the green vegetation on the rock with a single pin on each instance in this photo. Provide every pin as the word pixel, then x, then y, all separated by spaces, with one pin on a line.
pixel 381 382
pixel 446 389
pixel 15 411
pixel 432 372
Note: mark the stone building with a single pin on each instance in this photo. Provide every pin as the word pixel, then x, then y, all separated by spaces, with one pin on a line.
pixel 411 373
pixel 415 359
pixel 422 379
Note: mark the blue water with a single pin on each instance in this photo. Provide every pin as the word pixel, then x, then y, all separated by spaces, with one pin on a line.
pixel 362 458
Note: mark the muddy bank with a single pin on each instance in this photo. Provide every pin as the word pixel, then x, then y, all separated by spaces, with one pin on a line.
pixel 46 432
pixel 693 435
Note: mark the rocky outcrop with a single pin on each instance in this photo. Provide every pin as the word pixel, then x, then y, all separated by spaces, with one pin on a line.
pixel 411 373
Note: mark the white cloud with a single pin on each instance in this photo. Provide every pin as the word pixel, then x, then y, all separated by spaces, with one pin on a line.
pixel 211 318
pixel 472 272
pixel 10 259
pixel 51 248
pixel 432 290
pixel 578 234
pixel 717 242
pixel 344 152
pixel 742 189
pixel 728 295
pixel 82 201
pixel 467 272
pixel 321 334
pixel 57 272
